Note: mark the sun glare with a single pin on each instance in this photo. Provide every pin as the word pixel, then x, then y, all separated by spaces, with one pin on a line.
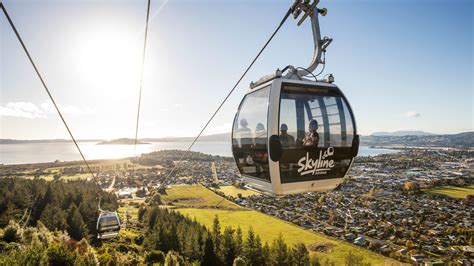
pixel 109 59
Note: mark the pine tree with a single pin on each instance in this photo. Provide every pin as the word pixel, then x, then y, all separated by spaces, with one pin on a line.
pixel 229 247
pixel 252 249
pixel 279 252
pixel 259 259
pixel 210 257
pixel 239 241
pixel 54 218
pixel 174 259
pixel 266 254
pixel 77 229
pixel 300 255
pixel 216 236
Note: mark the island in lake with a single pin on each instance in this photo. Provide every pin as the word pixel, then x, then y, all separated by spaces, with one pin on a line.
pixel 122 141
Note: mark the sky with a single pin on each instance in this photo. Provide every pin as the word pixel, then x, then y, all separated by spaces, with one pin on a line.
pixel 403 65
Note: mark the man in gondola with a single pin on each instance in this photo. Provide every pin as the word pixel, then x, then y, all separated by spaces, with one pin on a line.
pixel 311 140
pixel 286 139
pixel 245 134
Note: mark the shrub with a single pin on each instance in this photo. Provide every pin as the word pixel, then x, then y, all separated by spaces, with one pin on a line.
pixel 154 256
pixel 239 262
pixel 12 232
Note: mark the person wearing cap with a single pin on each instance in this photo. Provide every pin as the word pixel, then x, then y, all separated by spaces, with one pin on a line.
pixel 311 140
pixel 285 138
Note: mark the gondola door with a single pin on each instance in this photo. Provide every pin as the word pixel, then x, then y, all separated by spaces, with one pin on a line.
pixel 316 130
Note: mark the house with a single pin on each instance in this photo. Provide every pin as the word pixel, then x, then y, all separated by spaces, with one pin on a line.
pixel 349 236
pixel 418 258
pixel 123 194
pixel 403 251
pixel 435 263
pixel 359 241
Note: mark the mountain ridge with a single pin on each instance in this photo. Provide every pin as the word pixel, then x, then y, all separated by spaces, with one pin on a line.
pixel 401 133
pixel 463 139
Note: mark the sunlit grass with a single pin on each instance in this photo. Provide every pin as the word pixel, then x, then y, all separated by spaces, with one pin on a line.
pixel 234 191
pixel 268 228
pixel 452 191
pixel 202 204
pixel 196 196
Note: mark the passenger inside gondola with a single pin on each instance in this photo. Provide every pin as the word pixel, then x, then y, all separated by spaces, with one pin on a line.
pixel 244 134
pixel 311 138
pixel 260 139
pixel 286 139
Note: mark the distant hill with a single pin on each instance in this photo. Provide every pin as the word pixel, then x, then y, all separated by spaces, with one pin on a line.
pixel 465 139
pixel 461 140
pixel 223 137
pixel 122 141
pixel 402 133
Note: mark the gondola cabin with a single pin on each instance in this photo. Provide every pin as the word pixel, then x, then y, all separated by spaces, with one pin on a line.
pixel 108 225
pixel 292 136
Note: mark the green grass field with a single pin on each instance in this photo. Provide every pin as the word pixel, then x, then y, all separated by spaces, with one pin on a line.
pixel 267 227
pixel 63 177
pixel 452 191
pixel 233 191
pixel 196 197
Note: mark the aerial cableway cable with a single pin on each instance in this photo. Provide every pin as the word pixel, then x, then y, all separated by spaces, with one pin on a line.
pixel 290 10
pixel 46 88
pixel 141 84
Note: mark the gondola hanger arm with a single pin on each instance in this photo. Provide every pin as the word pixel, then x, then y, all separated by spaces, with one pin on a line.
pixel 311 10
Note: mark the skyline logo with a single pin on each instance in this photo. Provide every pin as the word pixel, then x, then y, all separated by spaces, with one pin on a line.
pixel 321 165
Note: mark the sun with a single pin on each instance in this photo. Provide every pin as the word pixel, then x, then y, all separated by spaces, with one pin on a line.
pixel 109 59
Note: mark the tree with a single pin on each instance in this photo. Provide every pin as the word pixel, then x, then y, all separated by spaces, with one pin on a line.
pixel 54 218
pixel 210 257
pixel 355 260
pixel 411 187
pixel 85 254
pixel 266 253
pixel 216 236
pixel 300 255
pixel 279 252
pixel 12 232
pixel 154 256
pixel 77 229
pixel 252 249
pixel 322 199
pixel 58 254
pixel 174 259
pixel 239 262
pixel 229 247
pixel 238 241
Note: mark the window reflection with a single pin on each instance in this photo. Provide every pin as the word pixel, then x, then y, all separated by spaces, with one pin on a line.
pixel 249 136
pixel 313 124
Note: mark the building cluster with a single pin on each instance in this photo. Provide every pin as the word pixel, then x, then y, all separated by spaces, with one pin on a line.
pixel 383 205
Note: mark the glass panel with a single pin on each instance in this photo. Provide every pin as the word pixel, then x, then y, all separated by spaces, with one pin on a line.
pixel 316 131
pixel 249 136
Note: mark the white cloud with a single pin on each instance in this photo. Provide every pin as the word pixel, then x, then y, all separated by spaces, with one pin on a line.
pixel 22 109
pixel 66 109
pixel 30 110
pixel 412 114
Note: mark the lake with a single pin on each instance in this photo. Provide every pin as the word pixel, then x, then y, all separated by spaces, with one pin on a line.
pixel 63 151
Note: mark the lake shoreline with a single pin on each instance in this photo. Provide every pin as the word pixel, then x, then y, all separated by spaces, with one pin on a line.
pixel 35 153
